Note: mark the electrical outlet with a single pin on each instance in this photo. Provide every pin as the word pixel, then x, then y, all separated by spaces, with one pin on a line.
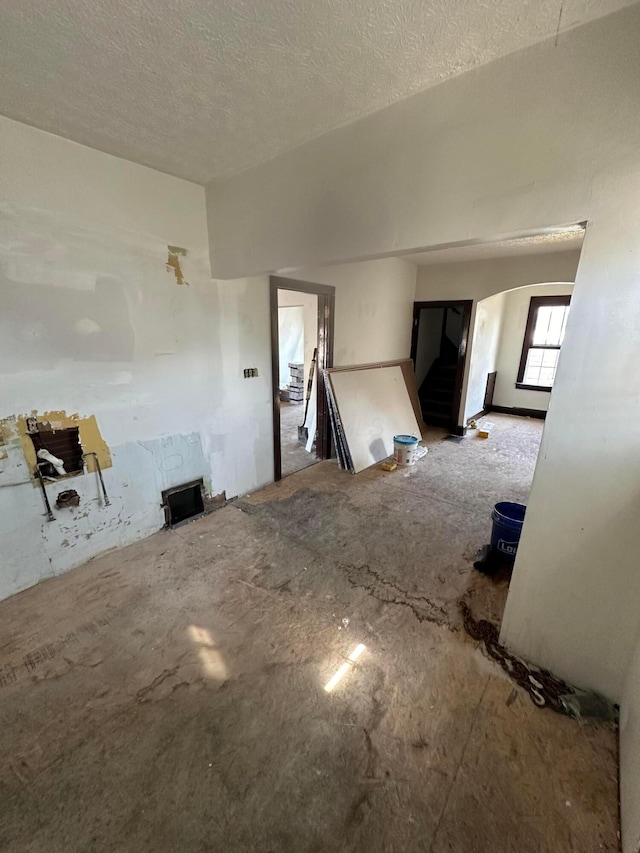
pixel 250 372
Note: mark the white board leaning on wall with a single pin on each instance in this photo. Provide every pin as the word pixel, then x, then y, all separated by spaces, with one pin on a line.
pixel 374 405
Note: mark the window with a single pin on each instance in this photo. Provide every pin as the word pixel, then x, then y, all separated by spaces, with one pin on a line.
pixel 542 341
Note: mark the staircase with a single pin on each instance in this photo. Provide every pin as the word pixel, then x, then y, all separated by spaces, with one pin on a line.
pixel 436 394
pixel 437 391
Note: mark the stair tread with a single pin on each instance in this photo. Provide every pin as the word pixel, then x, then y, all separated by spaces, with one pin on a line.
pixel 445 411
pixel 439 422
pixel 444 388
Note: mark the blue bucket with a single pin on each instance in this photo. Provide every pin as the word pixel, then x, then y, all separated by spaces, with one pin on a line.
pixel 508 519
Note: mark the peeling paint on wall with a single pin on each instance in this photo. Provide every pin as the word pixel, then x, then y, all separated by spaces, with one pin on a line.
pixel 173 262
pixel 5 438
pixel 15 428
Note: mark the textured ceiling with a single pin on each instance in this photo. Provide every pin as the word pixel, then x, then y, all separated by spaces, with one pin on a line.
pixel 557 240
pixel 207 88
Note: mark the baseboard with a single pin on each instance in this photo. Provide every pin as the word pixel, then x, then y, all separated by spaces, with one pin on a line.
pixel 459 430
pixel 516 410
pixel 501 410
pixel 479 414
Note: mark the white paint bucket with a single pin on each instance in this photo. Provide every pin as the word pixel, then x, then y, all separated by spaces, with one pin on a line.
pixel 404 449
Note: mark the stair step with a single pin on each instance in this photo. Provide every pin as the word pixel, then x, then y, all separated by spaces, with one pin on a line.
pixel 437 420
pixel 439 382
pixel 436 406
pixel 434 402
pixel 440 376
pixel 427 393
pixel 430 399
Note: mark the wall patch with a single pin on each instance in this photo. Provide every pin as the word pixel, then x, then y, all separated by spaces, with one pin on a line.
pixel 88 432
pixel 173 262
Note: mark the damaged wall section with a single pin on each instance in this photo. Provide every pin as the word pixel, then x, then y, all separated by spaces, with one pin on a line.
pixel 91 322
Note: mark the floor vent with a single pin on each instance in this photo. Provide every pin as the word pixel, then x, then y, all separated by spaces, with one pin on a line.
pixel 182 503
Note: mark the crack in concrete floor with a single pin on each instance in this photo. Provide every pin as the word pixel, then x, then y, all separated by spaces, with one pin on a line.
pixel 421 606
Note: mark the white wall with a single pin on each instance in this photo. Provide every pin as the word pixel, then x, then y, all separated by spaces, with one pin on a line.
pixel 482 278
pixel 575 587
pixel 309 303
pixel 483 356
pixel 290 339
pixel 630 757
pixel 514 323
pixel 92 322
pixel 546 136
pixel 374 308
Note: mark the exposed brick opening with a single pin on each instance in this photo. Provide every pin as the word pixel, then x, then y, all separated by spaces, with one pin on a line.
pixel 62 443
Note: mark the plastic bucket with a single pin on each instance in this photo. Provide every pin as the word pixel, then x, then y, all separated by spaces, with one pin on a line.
pixel 404 449
pixel 508 519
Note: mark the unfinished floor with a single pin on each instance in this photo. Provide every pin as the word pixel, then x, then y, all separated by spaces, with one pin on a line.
pixel 293 454
pixel 170 696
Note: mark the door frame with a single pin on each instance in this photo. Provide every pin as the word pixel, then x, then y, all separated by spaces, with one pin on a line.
pixel 326 311
pixel 467 306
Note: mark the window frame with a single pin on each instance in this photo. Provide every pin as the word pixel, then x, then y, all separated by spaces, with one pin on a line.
pixel 536 303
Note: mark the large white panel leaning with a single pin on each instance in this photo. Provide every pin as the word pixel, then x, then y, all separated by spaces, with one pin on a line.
pixel 374 406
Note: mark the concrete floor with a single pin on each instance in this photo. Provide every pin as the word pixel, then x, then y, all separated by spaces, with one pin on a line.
pixel 294 456
pixel 170 696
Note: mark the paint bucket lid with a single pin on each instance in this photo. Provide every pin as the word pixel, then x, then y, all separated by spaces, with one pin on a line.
pixel 405 439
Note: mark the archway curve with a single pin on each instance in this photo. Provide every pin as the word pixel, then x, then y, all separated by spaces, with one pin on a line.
pixel 495 346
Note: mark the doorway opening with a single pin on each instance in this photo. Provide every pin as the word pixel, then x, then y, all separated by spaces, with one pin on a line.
pixel 438 349
pixel 301 349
